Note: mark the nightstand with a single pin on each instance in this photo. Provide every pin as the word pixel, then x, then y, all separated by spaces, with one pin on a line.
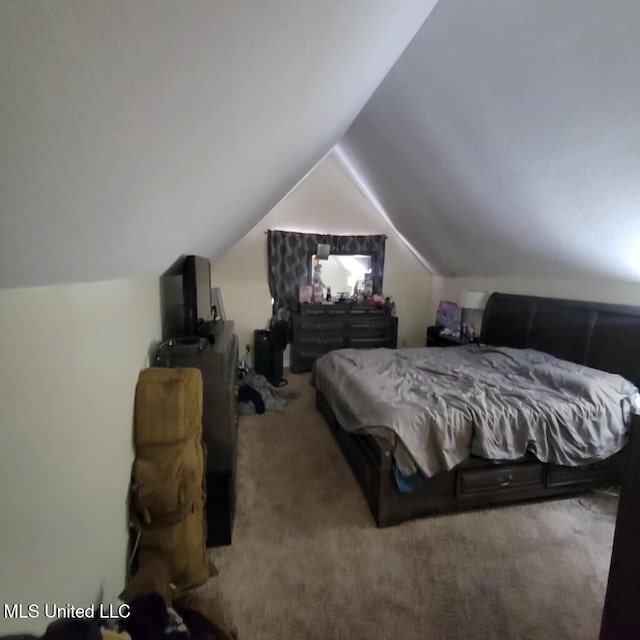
pixel 436 339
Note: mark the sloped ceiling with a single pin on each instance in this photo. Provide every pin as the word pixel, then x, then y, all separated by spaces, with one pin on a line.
pixel 133 132
pixel 506 139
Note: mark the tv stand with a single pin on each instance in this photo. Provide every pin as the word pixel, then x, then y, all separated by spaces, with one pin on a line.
pixel 218 362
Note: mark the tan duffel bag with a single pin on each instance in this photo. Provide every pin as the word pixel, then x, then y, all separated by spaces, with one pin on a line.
pixel 167 482
pixel 182 547
pixel 168 406
pixel 167 490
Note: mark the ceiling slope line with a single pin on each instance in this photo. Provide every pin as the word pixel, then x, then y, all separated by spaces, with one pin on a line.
pixel 354 176
pixel 289 192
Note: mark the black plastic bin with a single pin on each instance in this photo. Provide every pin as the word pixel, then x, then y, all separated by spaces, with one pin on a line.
pixel 268 357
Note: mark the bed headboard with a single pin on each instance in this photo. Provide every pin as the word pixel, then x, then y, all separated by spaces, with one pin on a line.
pixel 599 335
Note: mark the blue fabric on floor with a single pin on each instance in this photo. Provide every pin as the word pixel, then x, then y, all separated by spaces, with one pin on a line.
pixel 407 484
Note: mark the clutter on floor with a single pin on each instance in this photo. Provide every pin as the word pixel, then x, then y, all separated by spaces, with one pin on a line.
pixel 257 395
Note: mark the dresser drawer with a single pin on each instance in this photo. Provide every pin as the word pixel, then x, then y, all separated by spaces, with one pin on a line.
pixel 502 478
pixel 367 311
pixel 326 342
pixel 362 322
pixel 318 329
pixel 371 329
pixel 320 325
pixel 610 468
pixel 340 309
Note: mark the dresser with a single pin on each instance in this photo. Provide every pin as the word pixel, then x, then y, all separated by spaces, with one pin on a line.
pixel 218 362
pixel 320 328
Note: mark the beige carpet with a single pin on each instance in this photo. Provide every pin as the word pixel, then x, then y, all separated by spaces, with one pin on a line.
pixel 307 560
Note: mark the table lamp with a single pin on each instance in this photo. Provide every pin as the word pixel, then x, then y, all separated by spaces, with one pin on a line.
pixel 469 301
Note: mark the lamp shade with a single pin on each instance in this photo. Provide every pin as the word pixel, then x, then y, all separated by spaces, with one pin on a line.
pixel 472 299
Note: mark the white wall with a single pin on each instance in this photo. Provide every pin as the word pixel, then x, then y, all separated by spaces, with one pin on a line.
pixel 505 139
pixel 191 118
pixel 70 359
pixel 327 201
pixel 573 288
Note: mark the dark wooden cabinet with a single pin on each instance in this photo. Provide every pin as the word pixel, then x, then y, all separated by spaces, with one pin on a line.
pixel 318 329
pixel 218 363
pixel 621 614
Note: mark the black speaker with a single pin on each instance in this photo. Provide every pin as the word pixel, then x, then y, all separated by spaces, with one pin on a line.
pixel 268 353
pixel 262 360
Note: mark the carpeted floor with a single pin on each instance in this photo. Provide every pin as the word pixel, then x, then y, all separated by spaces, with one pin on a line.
pixel 308 562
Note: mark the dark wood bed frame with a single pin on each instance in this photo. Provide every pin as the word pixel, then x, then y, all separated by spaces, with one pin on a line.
pixel 602 336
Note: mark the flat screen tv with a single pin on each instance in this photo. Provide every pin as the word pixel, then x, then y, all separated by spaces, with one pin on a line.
pixel 185 291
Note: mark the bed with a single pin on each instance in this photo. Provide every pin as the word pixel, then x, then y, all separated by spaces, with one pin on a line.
pixel 603 337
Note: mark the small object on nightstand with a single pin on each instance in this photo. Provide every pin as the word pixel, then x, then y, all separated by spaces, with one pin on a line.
pixel 437 336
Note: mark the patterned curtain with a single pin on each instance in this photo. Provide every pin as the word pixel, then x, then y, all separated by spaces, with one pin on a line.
pixel 288 261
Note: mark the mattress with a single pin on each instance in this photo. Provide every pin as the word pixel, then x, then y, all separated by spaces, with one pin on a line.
pixel 438 406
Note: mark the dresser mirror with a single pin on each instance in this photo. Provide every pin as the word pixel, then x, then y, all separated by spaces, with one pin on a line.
pixel 346 275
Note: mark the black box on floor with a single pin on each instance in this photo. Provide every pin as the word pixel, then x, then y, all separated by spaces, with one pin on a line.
pixel 220 508
pixel 267 356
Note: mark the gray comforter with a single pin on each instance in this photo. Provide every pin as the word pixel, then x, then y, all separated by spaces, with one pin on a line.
pixel 440 405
